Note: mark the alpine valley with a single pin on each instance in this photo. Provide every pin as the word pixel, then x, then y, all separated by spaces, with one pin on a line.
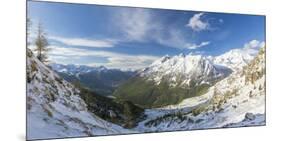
pixel 100 79
pixel 108 70
pixel 182 92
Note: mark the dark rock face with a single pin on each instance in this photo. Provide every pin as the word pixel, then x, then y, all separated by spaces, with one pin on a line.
pixel 249 116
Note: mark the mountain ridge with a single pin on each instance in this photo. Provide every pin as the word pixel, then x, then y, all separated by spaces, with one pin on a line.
pixel 235 59
pixel 99 79
pixel 171 79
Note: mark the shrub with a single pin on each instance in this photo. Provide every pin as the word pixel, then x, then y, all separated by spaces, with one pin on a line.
pixel 50 114
pixel 33 66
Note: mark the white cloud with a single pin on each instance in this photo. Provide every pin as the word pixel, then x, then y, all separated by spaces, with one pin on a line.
pixel 58 58
pixel 114 60
pixel 195 46
pixel 130 62
pixel 254 44
pixel 197 24
pixel 97 43
pixel 177 40
pixel 135 23
pixel 105 43
pixel 141 25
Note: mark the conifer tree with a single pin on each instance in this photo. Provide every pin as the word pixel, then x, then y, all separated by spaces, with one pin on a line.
pixel 28 28
pixel 41 43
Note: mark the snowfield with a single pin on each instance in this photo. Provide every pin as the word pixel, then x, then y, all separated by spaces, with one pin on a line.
pixel 54 109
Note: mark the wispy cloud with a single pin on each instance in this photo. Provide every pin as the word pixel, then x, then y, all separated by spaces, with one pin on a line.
pixel 114 60
pixel 196 23
pixel 104 43
pixel 195 46
pixel 254 44
pixel 58 57
pixel 176 39
pixel 142 25
pixel 136 24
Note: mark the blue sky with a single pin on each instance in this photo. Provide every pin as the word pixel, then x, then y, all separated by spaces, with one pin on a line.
pixel 132 38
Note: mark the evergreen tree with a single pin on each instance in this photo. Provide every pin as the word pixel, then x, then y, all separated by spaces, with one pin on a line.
pixel 28 27
pixel 41 43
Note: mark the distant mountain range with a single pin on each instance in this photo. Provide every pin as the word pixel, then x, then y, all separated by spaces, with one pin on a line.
pixel 99 79
pixel 76 69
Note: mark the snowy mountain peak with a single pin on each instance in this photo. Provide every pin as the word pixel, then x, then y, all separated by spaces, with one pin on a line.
pixel 182 55
pixel 74 69
pixel 102 68
pixel 236 59
pixel 183 67
pixel 161 60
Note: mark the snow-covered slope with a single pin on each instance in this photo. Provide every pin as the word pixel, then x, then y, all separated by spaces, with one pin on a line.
pixel 183 69
pixel 238 100
pixel 55 109
pixel 239 95
pixel 236 59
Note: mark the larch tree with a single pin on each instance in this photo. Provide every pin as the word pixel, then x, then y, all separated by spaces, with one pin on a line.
pixel 28 28
pixel 41 44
